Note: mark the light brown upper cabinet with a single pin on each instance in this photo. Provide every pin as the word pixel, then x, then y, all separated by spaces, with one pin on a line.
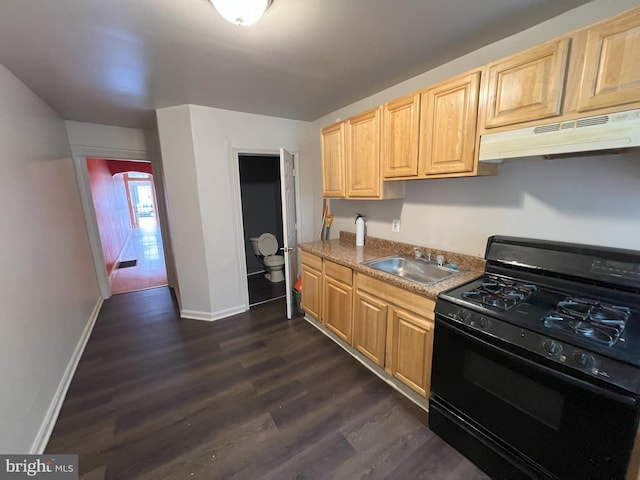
pixel 362 134
pixel 526 86
pixel 595 70
pixel 611 70
pixel 400 123
pixel 333 166
pixel 351 159
pixel 448 119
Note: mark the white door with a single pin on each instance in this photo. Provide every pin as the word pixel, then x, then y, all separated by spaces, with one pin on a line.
pixel 289 224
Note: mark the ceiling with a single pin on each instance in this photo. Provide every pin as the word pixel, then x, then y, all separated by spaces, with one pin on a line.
pixel 115 61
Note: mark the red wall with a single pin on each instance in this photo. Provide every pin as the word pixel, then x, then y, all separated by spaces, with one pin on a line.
pixel 123 166
pixel 112 209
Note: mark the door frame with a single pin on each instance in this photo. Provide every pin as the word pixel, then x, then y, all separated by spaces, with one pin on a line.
pixel 79 155
pixel 237 205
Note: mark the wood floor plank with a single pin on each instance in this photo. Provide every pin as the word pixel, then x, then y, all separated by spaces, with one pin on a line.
pixel 252 396
pixel 219 455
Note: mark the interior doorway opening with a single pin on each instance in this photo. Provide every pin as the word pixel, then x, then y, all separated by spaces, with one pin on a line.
pixel 260 194
pixel 124 201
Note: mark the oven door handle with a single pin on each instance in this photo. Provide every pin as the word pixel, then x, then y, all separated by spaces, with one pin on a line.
pixel 629 400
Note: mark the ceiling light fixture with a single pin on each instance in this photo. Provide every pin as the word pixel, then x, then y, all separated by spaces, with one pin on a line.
pixel 241 12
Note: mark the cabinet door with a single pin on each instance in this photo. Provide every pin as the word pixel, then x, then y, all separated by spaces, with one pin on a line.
pixel 337 311
pixel 527 86
pixel 412 349
pixel 401 120
pixel 311 291
pixel 370 322
pixel 363 155
pixel 333 167
pixel 611 71
pixel 448 126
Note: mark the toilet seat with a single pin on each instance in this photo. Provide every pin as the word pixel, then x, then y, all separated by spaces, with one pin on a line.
pixel 267 244
pixel 274 260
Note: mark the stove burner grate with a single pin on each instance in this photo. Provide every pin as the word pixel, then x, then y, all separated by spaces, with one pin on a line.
pixel 499 294
pixel 598 322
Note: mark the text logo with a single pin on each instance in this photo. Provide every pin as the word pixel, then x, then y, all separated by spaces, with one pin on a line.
pixel 50 467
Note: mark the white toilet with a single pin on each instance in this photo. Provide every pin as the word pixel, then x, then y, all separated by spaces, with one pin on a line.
pixel 265 246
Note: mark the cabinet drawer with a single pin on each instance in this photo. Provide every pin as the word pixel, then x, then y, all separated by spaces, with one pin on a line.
pixel 311 260
pixel 339 272
pixel 410 301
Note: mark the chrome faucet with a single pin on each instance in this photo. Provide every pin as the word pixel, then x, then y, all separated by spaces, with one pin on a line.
pixel 417 253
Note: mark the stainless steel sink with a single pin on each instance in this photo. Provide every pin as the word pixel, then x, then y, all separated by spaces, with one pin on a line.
pixel 415 269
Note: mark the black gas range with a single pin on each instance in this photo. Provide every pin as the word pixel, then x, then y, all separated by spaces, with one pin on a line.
pixel 536 364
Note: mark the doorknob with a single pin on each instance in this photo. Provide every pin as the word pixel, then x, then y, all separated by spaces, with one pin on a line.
pixel 286 249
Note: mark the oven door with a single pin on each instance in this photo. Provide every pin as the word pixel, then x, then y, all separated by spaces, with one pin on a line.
pixel 516 418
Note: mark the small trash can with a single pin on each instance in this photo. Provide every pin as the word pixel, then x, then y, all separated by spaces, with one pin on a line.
pixel 298 297
pixel 297 292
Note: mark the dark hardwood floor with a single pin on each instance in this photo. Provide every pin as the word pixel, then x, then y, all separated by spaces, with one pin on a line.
pixel 250 397
pixel 262 290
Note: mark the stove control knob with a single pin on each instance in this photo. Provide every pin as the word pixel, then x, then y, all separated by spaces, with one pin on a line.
pixel 551 347
pixel 481 322
pixel 464 315
pixel 583 359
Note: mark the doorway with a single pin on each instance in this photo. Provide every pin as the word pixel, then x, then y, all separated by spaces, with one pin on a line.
pixel 124 202
pixel 260 194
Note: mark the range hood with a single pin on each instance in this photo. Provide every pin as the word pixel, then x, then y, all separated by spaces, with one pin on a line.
pixel 603 132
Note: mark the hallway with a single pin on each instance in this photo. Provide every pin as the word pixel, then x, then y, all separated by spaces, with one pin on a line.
pixel 145 247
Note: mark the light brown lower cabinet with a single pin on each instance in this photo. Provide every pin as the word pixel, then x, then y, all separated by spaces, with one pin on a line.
pixel 370 322
pixel 394 328
pixel 311 284
pixel 412 345
pixel 390 326
pixel 337 304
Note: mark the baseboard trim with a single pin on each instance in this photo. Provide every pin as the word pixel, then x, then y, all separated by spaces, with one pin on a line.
pixel 51 417
pixel 212 316
pixel 420 401
pixel 267 301
pixel 114 270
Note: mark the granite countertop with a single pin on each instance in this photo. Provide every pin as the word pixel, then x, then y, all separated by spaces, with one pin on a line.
pixel 345 252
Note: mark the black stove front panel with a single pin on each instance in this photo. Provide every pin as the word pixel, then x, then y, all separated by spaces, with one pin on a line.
pixel 544 349
pixel 592 264
pixel 549 337
pixel 518 418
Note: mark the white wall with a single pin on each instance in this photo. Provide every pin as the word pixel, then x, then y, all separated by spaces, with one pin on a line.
pixel 592 200
pixel 111 137
pixel 48 290
pixel 586 200
pixel 178 158
pixel 198 145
